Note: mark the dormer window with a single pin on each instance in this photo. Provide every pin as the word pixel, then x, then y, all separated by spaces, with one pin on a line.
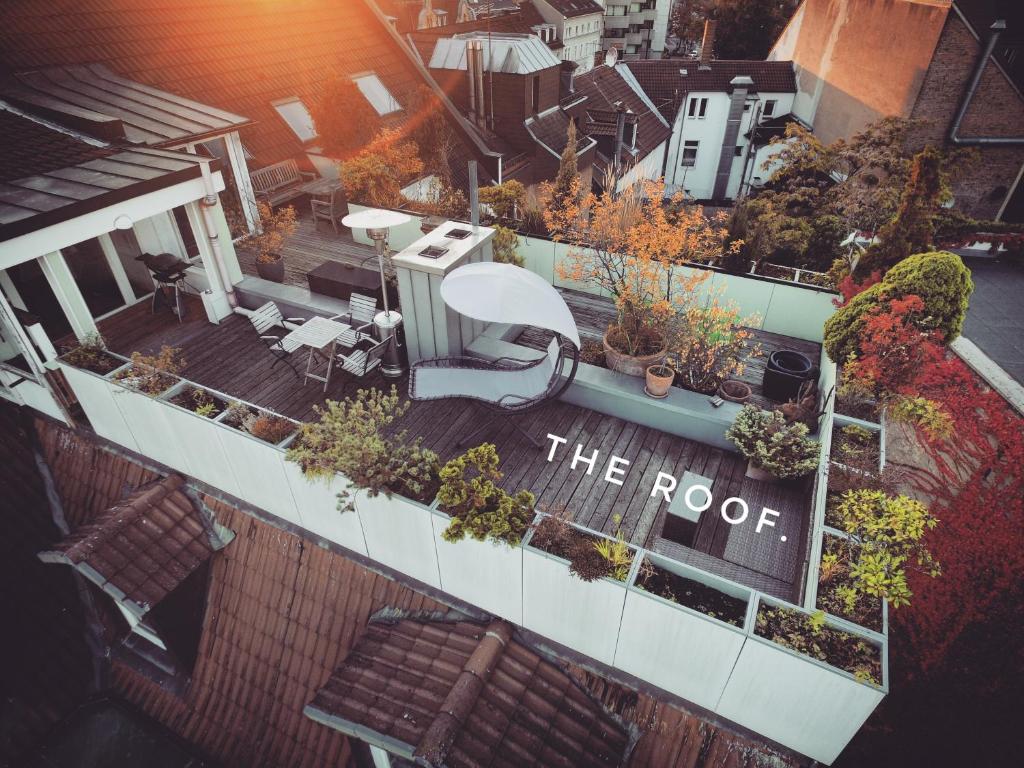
pixel 377 94
pixel 769 108
pixel 295 113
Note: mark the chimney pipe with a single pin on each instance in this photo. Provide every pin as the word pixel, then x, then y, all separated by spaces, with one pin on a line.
pixel 620 133
pixel 470 63
pixel 482 112
pixel 707 44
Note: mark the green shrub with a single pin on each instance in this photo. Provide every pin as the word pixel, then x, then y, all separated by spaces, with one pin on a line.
pixel 940 279
pixel 477 505
pixel 888 533
pixel 351 437
pixel 773 444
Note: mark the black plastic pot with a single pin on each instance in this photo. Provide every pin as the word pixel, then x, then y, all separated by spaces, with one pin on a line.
pixel 785 373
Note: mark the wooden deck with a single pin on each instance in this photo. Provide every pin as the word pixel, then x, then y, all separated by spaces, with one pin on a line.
pixel 594 314
pixel 312 244
pixel 230 358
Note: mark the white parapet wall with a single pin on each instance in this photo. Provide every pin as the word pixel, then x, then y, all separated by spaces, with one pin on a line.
pixel 792 699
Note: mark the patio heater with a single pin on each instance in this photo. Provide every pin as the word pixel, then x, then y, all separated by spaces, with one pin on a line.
pixel 377 223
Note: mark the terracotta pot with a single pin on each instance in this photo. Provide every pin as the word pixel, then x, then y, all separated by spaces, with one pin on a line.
pixel 754 472
pixel 734 391
pixel 271 270
pixel 629 364
pixel 658 381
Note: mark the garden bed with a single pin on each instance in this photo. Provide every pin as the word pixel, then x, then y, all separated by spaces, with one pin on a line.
pixel 556 537
pixel 144 380
pixel 198 400
pixel 264 426
pixel 857 447
pixel 813 637
pixel 92 358
pixel 700 597
pixel 867 611
pixel 855 406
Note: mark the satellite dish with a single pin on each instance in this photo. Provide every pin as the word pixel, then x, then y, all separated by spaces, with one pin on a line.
pixel 611 56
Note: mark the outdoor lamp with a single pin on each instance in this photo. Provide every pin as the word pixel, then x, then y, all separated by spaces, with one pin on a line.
pixel 377 222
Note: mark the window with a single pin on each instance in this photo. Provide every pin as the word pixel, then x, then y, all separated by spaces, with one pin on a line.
pixel 698 107
pixel 378 96
pixel 769 107
pixel 739 151
pixel 690 153
pixel 294 112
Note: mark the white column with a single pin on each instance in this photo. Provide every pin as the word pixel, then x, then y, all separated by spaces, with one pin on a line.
pixel 240 172
pixel 10 290
pixel 62 281
pixel 381 759
pixel 215 298
pixel 116 268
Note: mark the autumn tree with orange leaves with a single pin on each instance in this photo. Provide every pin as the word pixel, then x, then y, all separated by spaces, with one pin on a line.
pixel 629 246
pixel 376 175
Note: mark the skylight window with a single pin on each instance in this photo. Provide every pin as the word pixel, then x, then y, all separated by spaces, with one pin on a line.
pixel 377 94
pixel 294 112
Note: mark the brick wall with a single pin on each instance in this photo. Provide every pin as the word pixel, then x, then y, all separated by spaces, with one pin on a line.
pixel 996 110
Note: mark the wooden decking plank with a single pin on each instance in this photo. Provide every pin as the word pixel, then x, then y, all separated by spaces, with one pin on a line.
pixel 613 499
pixel 575 484
pixel 590 511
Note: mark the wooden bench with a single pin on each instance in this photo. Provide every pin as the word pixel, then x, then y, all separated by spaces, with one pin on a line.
pixel 278 183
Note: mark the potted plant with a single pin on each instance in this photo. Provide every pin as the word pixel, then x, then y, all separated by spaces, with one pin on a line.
pixel 476 505
pixel 659 379
pixel 774 448
pixel 627 245
pixel 275 227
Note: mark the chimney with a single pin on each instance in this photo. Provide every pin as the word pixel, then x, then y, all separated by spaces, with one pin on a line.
pixel 741 86
pixel 470 64
pixel 620 134
pixel 481 118
pixel 707 44
pixel 566 71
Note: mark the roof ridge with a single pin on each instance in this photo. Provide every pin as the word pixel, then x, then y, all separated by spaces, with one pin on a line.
pixel 461 699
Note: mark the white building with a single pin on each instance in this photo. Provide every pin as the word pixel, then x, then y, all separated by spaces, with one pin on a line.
pixel 579 25
pixel 638 29
pixel 713 106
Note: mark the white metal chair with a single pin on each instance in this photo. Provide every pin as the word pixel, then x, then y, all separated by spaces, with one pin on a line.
pixel 360 363
pixel 270 325
pixel 361 311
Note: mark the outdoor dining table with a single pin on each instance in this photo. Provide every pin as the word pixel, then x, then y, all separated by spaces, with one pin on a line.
pixel 320 188
pixel 317 333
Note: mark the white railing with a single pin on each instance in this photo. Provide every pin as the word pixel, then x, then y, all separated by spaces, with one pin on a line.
pixel 793 699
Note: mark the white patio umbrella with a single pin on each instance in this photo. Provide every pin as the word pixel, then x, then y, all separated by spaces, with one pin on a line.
pixel 505 293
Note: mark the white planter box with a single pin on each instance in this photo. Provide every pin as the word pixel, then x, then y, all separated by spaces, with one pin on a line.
pixel 680 649
pixel 484 574
pixel 400 535
pixel 259 472
pixel 96 396
pixel 317 501
pixel 801 702
pixel 204 453
pixel 145 417
pixel 583 615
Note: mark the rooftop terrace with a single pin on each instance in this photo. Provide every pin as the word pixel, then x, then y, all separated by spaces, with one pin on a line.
pixel 231 359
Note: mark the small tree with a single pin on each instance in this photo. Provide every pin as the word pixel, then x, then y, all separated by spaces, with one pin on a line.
pixel 940 279
pixel 376 175
pixel 352 437
pixel 566 191
pixel 504 200
pixel 430 131
pixel 505 243
pixel 912 229
pixel 773 444
pixel 886 538
pixel 345 120
pixel 477 505
pixel 275 227
pixel 630 245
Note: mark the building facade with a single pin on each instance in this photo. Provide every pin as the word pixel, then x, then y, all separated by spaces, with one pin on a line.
pixel 638 29
pixel 578 24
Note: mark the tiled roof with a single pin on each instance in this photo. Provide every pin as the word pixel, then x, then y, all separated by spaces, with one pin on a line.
pixel 663 81
pixel 454 693
pixel 550 130
pixel 523 21
pixel 239 55
pixel 141 548
pixel 604 87
pixel 573 8
pixel 115 108
pixel 283 613
pixel 32 148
